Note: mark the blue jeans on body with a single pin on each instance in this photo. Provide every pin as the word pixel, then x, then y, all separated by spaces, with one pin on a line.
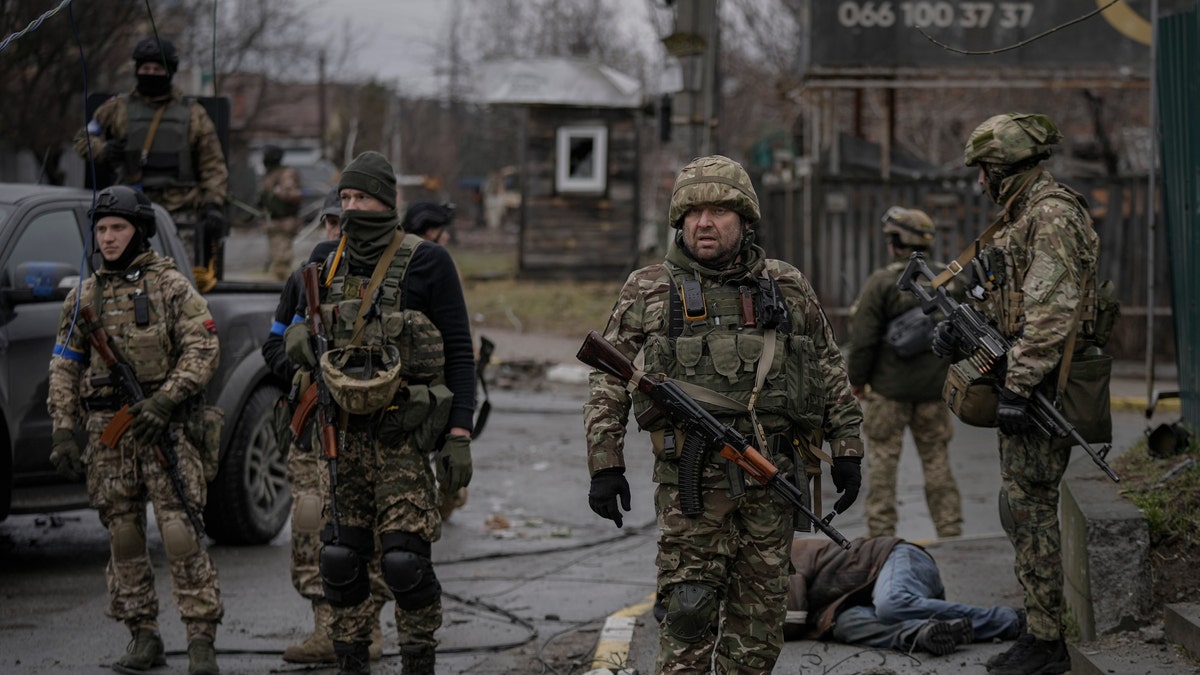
pixel 907 594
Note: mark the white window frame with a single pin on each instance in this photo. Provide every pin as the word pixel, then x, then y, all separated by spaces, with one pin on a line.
pixel 563 180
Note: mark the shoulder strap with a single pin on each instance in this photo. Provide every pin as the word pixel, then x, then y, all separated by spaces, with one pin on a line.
pixel 385 261
pixel 956 266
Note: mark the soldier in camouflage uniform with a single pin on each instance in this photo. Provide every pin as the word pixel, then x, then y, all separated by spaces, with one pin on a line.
pixel 722 576
pixel 389 421
pixel 165 145
pixel 304 470
pixel 280 198
pixel 160 325
pixel 1037 270
pixel 905 391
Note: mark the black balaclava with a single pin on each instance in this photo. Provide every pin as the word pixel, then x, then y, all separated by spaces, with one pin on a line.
pixel 136 246
pixel 154 86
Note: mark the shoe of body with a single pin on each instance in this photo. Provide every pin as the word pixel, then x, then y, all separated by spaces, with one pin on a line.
pixel 943 637
pixel 1031 656
pixel 145 651
pixel 202 657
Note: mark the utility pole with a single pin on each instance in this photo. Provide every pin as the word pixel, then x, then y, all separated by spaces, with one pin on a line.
pixel 696 44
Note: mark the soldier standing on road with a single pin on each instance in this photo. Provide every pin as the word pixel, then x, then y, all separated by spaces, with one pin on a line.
pixel 165 145
pixel 905 388
pixel 304 470
pixel 1038 268
pixel 722 318
pixel 280 198
pixel 162 328
pixel 411 303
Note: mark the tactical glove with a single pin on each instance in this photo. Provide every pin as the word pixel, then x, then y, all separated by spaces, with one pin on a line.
pixel 113 155
pixel 453 463
pixel 1012 415
pixel 151 417
pixel 607 485
pixel 298 346
pixel 946 341
pixel 213 218
pixel 847 478
pixel 66 455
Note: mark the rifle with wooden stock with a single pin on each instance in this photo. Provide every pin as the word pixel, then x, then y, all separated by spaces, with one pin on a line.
pixel 122 378
pixel 323 403
pixel 703 434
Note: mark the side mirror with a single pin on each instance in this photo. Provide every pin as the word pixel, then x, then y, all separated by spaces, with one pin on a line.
pixel 37 281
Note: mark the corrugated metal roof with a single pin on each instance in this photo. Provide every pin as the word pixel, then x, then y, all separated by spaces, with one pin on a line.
pixel 556 81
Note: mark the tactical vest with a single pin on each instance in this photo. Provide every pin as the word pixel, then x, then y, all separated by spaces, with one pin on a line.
pixel 133 314
pixel 721 351
pixel 422 355
pixel 169 162
pixel 270 202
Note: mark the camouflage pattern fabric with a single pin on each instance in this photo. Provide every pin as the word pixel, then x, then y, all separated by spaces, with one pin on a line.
pixel 749 571
pixel 385 489
pixel 281 195
pixel 176 354
pixel 713 180
pixel 1047 246
pixel 884 421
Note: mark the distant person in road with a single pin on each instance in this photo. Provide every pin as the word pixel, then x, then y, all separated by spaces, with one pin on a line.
pixel 890 353
pixel 752 333
pixel 304 468
pixel 280 197
pixel 884 592
pixel 159 142
pixel 1038 290
pixel 394 294
pixel 160 327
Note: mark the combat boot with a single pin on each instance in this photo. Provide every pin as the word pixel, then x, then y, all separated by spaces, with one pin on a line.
pixel 144 652
pixel 943 637
pixel 352 658
pixel 318 646
pixel 1031 656
pixel 202 658
pixel 417 659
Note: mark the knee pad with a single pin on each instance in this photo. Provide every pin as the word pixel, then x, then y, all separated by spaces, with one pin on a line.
pixel 344 565
pixel 127 539
pixel 306 518
pixel 179 540
pixel 691 612
pixel 408 570
pixel 1006 519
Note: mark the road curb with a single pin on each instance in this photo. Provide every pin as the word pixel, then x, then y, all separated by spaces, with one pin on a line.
pixel 612 649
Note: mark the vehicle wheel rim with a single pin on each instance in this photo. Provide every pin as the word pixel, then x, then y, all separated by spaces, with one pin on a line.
pixel 266 468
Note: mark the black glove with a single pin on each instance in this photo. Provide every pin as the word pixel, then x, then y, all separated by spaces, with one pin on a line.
pixel 1012 415
pixel 212 216
pixel 607 485
pixel 847 478
pixel 113 155
pixel 945 340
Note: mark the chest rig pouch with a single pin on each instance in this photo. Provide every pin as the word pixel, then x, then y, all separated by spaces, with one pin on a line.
pixel 133 314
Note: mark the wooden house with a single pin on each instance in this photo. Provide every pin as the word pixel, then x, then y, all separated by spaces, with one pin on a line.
pixel 577 161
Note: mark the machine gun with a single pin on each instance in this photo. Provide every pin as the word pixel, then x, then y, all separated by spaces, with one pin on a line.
pixel 988 347
pixel 704 433
pixel 122 378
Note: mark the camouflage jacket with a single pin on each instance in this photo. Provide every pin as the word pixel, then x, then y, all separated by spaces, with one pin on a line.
pixel 281 195
pixel 176 352
pixel 212 175
pixel 871 361
pixel 640 314
pixel 1042 258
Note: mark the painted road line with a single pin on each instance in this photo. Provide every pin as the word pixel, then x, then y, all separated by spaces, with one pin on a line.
pixel 612 649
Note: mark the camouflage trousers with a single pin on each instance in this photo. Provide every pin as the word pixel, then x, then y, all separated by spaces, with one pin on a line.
pixel 1031 470
pixel 119 483
pixel 884 422
pixel 738 548
pixel 281 233
pixel 385 489
pixel 308 508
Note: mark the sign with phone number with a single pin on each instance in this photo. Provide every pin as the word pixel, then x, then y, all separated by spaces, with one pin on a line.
pixel 884 33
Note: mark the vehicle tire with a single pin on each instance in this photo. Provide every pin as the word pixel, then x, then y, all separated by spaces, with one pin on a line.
pixel 6 481
pixel 250 499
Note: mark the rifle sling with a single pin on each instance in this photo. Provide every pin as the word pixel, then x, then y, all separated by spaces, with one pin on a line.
pixel 381 268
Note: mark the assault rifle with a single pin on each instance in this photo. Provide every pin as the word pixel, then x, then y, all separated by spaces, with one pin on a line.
pixel 704 433
pixel 325 408
pixel 122 378
pixel 988 347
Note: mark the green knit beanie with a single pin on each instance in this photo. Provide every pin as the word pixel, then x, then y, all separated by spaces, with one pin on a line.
pixel 373 174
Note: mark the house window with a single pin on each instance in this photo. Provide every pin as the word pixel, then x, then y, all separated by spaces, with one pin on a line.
pixel 582 164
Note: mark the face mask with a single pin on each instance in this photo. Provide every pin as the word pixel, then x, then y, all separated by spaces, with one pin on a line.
pixel 154 86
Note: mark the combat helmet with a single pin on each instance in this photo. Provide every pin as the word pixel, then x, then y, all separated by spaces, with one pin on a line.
pixel 272 156
pixel 912 227
pixel 713 180
pixel 362 380
pixel 125 202
pixel 1010 138
pixel 148 49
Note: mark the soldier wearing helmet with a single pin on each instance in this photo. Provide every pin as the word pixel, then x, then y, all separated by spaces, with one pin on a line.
pixel 1039 268
pixel 161 328
pixel 280 197
pixel 166 146
pixel 899 380
pixel 722 317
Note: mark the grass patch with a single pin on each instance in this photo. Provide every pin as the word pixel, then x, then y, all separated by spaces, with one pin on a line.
pixel 563 308
pixel 1172 508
